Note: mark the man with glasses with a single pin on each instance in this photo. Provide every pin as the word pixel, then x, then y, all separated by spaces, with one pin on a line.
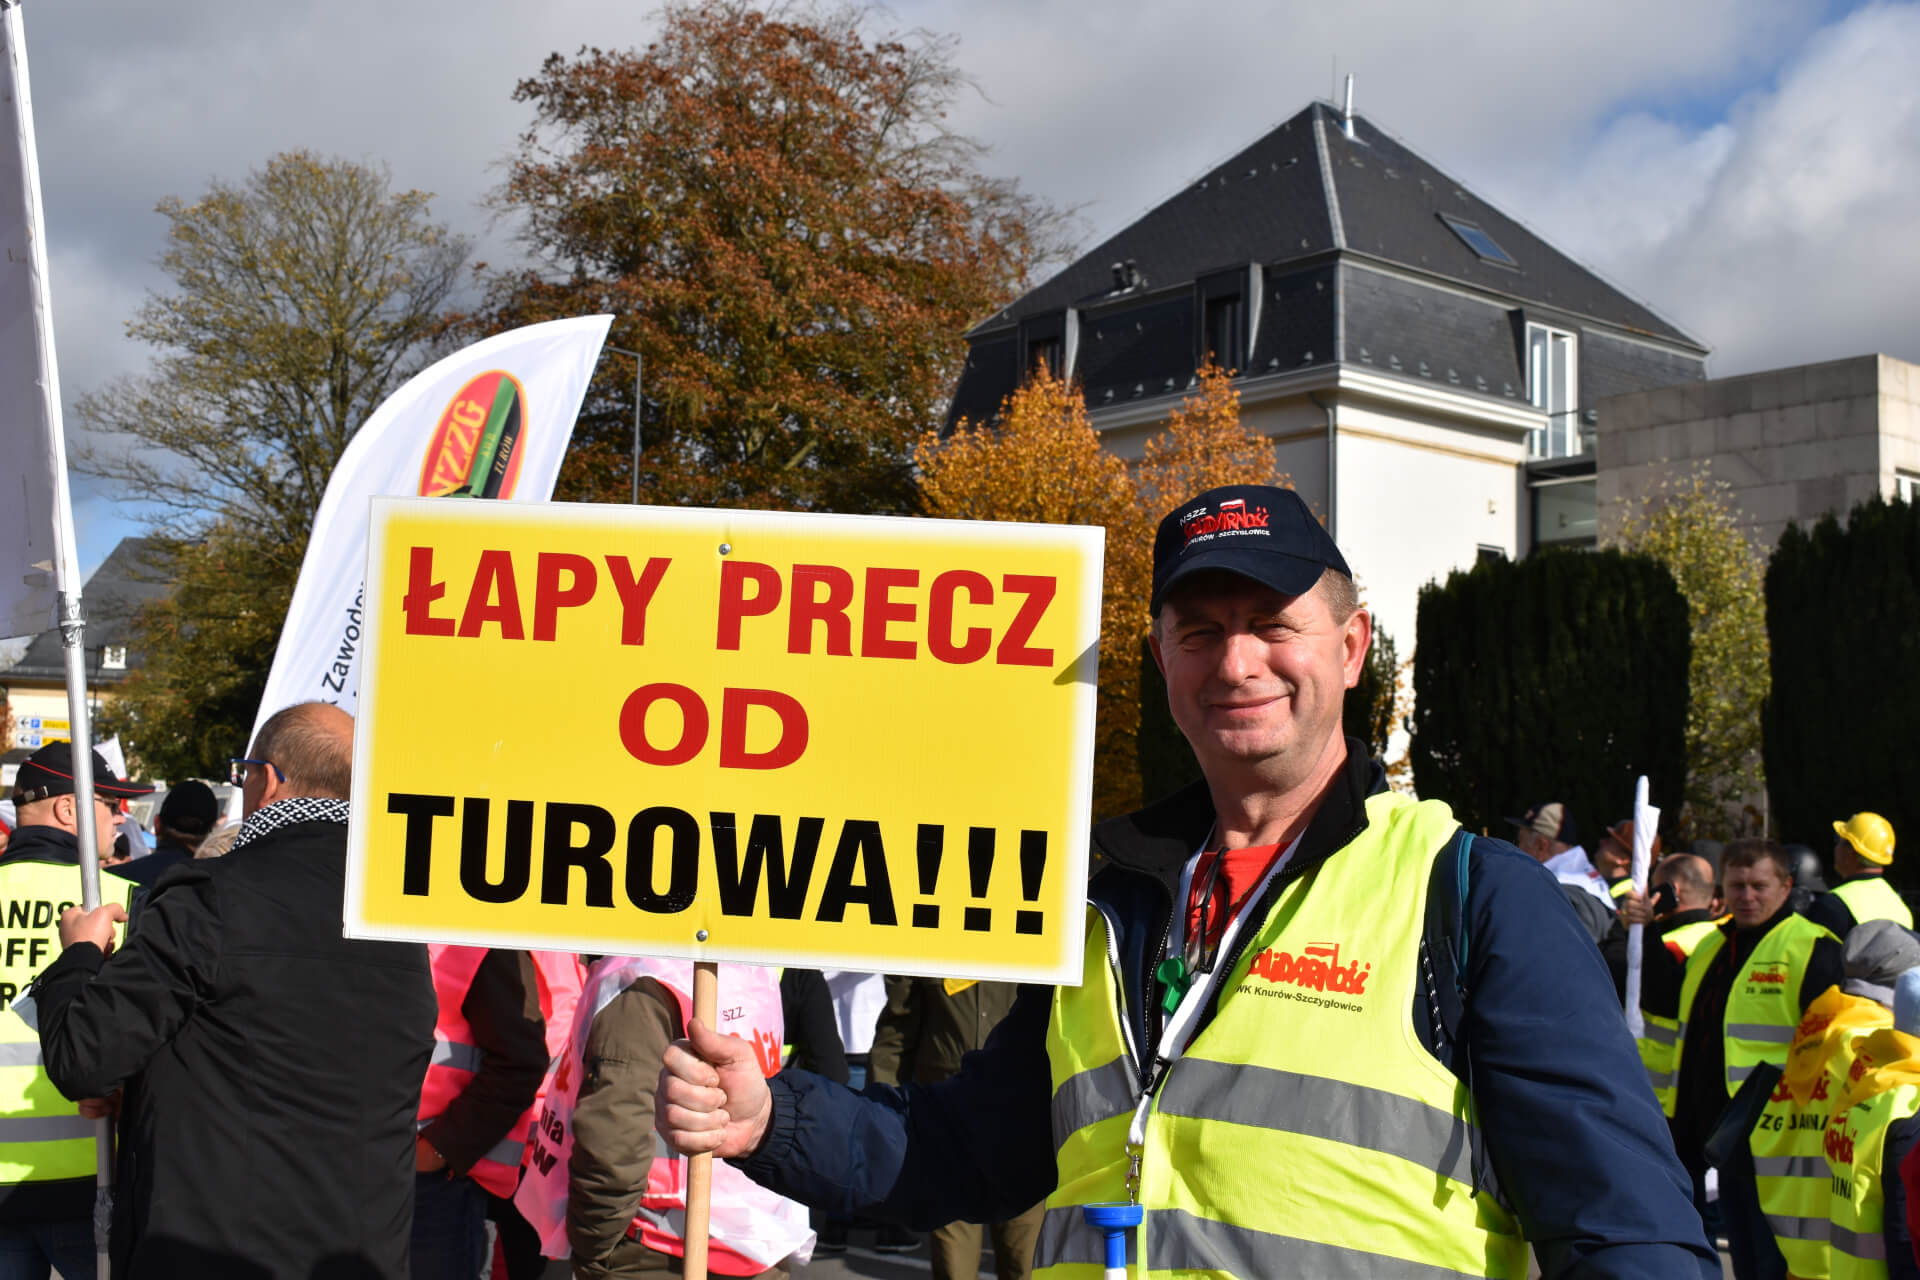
pixel 271 1067
pixel 46 1147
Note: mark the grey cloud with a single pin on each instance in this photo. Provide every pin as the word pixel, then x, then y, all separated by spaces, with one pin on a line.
pixel 1784 234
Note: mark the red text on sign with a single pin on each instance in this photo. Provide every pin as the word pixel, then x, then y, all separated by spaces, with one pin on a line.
pixel 561 580
pixel 895 615
pixel 658 745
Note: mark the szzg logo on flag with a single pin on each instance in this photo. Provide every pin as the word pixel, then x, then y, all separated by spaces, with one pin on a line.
pixel 475 448
pixel 832 741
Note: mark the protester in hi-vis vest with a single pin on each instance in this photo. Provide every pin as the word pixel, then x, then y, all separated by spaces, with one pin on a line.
pixel 47 1161
pixel 1871 1137
pixel 1321 1030
pixel 1742 993
pixel 599 1186
pixel 489 1056
pixel 1682 909
pixel 1789 1140
pixel 1862 851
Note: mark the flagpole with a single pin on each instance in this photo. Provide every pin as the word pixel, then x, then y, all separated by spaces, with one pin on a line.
pixel 66 564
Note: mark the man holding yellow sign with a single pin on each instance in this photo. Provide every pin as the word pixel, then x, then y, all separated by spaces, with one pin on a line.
pixel 1320 1030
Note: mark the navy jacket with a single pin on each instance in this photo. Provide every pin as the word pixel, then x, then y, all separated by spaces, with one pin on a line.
pixel 1574 1138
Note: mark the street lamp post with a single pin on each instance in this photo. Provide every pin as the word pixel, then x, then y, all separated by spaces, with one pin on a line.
pixel 637 361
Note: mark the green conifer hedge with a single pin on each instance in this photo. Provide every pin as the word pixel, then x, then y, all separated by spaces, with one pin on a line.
pixel 1562 676
pixel 1843 620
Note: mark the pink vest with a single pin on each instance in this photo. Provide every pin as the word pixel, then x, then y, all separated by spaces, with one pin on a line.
pixel 456 1058
pixel 751 1228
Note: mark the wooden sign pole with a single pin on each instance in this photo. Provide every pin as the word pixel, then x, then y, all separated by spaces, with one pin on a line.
pixel 706 995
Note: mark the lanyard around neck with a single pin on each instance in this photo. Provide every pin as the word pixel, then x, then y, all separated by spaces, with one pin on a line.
pixel 1181 1026
pixel 1202 983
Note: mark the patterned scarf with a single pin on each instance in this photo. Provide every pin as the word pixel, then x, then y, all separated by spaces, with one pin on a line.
pixel 284 813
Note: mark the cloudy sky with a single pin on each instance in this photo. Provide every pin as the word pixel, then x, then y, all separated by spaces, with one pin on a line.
pixel 1750 168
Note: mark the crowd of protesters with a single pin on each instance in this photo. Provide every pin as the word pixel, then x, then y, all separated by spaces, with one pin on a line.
pixel 1772 1033
pixel 290 1102
pixel 252 1058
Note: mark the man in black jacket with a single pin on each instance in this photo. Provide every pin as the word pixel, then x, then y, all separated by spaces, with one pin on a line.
pixel 271 1068
pixel 1259 634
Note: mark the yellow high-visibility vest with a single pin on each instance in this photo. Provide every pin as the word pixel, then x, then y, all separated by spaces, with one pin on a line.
pixel 1789 1139
pixel 1305 1131
pixel 1856 1149
pixel 1659 1034
pixel 32 896
pixel 1763 1012
pixel 1763 1004
pixel 1872 898
pixel 43 1137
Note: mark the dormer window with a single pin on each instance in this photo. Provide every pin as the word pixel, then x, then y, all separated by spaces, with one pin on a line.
pixel 1046 353
pixel 1225 341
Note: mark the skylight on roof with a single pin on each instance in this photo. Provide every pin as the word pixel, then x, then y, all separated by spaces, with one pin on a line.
pixel 1484 246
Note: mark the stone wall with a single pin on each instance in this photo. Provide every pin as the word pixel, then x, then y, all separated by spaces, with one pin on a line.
pixel 1794 443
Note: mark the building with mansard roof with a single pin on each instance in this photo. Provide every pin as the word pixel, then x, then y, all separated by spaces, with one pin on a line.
pixel 1426 367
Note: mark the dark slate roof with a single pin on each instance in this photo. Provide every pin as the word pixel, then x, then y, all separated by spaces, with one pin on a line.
pixel 128 578
pixel 1305 190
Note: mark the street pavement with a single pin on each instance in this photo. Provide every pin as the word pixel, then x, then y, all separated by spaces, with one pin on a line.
pixel 862 1262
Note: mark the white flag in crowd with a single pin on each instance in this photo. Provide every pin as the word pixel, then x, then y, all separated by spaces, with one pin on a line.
pixel 36 515
pixel 490 421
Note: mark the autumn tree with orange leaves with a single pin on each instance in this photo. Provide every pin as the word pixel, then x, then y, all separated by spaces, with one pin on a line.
pixel 1041 461
pixel 772 208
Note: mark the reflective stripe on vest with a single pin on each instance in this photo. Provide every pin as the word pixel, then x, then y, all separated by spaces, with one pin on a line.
pixel 1856 1150
pixel 1660 1036
pixel 1872 898
pixel 1763 998
pixel 43 1136
pixel 1310 1066
pixel 20 1055
pixel 1331 1110
pixel 1789 1144
pixel 455 1059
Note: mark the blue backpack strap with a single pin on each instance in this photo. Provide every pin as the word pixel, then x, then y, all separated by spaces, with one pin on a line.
pixel 1462 949
pixel 1460 944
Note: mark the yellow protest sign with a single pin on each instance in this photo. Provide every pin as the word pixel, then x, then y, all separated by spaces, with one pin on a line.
pixel 832 741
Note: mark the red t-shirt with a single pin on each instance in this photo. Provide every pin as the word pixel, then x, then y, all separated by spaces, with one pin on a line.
pixel 1239 876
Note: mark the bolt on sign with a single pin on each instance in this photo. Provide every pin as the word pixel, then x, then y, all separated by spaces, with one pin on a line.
pixel 847 742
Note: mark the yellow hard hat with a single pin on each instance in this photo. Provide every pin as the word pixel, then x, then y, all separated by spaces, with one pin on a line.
pixel 1870 835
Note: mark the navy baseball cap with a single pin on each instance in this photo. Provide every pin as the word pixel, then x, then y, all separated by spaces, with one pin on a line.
pixel 1255 530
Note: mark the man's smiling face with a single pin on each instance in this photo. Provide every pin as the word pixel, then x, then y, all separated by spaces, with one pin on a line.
pixel 1255 676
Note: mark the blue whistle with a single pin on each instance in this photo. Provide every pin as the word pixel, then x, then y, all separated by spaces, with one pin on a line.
pixel 1114 1221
